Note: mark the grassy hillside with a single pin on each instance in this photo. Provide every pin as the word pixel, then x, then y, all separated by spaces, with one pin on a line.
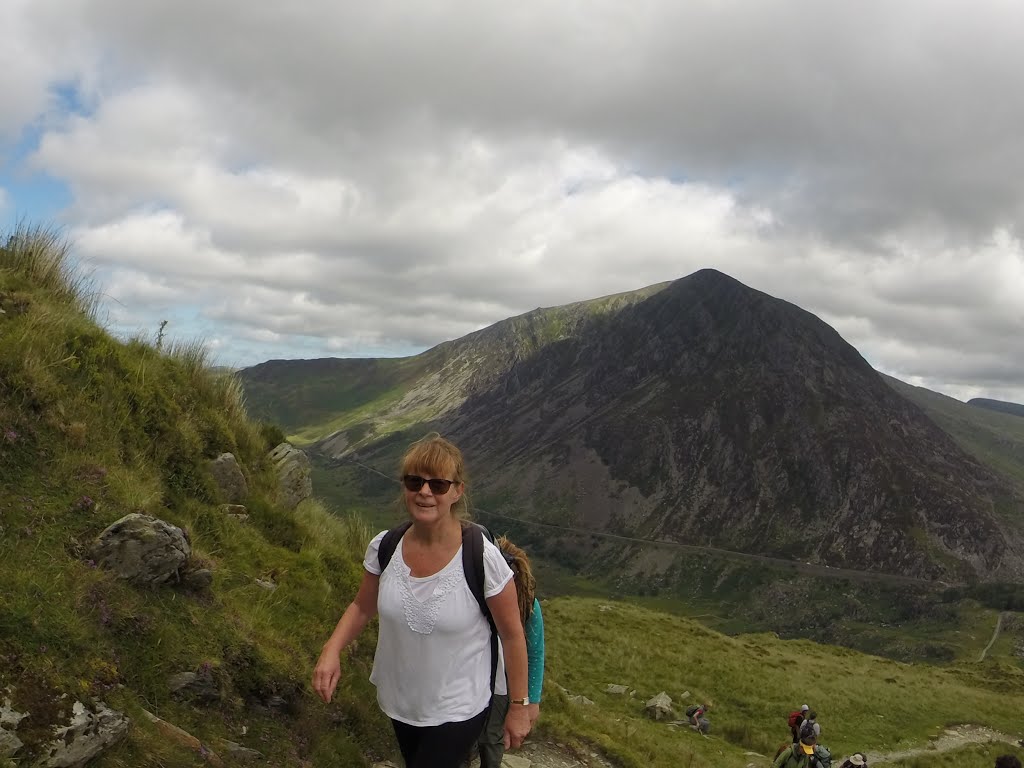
pixel 992 437
pixel 373 398
pixel 92 428
pixel 864 702
pixel 1000 406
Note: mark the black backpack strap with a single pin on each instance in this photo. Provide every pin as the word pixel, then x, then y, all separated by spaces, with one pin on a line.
pixel 473 566
pixel 389 544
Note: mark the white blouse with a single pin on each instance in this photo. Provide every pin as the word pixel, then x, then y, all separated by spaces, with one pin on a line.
pixel 433 660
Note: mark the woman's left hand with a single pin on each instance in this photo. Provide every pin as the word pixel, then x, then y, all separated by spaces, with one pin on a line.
pixel 534 711
pixel 517 726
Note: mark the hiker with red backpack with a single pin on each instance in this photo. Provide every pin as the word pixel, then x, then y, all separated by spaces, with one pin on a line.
pixel 796 718
pixel 436 652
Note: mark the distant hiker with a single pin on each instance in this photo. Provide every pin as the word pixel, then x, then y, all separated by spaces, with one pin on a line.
pixel 695 717
pixel 810 727
pixel 796 755
pixel 1008 761
pixel 822 757
pixel 491 743
pixel 858 760
pixel 795 719
pixel 435 657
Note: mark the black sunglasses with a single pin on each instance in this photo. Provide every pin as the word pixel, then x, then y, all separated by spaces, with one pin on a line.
pixel 438 487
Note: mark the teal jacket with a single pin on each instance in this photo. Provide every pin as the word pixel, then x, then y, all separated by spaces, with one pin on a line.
pixel 535 652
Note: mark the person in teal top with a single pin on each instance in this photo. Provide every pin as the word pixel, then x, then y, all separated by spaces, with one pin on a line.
pixel 491 742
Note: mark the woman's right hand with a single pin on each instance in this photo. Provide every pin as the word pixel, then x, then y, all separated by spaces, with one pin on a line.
pixel 327 673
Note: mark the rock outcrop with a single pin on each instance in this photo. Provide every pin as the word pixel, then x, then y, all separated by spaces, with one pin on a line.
pixel 294 481
pixel 9 720
pixel 144 550
pixel 659 707
pixel 229 478
pixel 89 732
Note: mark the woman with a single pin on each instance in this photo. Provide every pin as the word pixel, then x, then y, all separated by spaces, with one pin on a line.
pixel 432 667
pixel 491 745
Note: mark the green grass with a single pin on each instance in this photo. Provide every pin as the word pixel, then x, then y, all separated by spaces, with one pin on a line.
pixel 753 682
pixel 92 428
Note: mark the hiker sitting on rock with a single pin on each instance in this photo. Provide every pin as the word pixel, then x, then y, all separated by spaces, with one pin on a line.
pixel 857 760
pixel 797 755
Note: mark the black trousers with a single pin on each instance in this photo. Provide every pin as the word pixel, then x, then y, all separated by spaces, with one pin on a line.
pixel 438 746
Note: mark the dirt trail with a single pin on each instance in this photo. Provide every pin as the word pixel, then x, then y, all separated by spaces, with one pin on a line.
pixel 995 636
pixel 541 754
pixel 954 737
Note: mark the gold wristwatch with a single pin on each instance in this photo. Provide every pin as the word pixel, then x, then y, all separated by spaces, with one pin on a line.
pixel 524 701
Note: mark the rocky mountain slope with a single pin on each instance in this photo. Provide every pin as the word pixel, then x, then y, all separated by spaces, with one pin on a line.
pixel 707 412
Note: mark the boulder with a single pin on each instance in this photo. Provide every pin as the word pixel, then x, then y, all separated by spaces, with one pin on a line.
pixel 238 752
pixel 9 719
pixel 201 686
pixel 229 478
pixel 89 733
pixel 659 707
pixel 294 481
pixel 142 549
pixel 197 579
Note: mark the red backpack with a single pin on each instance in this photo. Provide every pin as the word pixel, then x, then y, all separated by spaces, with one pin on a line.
pixel 795 718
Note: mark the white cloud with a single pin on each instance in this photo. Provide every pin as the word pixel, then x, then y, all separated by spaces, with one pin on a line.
pixel 384 176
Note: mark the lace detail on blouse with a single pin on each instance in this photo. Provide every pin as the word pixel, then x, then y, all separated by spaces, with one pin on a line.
pixel 421 617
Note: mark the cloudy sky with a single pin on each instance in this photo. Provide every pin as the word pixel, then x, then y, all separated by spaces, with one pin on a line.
pixel 334 178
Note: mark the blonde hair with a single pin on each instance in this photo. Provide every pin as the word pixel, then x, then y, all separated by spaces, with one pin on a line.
pixel 433 455
pixel 526 584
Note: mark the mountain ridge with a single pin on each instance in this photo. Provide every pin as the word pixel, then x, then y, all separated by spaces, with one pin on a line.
pixel 712 412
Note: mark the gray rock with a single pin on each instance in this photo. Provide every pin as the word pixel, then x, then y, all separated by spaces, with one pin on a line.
pixel 88 734
pixel 582 700
pixel 659 707
pixel 9 719
pixel 238 752
pixel 181 681
pixel 195 686
pixel 616 689
pixel 197 580
pixel 229 478
pixel 294 481
pixel 142 549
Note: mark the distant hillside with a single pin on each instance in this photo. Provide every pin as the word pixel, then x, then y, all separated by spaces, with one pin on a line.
pixel 1001 406
pixel 93 429
pixel 362 400
pixel 994 437
pixel 703 412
